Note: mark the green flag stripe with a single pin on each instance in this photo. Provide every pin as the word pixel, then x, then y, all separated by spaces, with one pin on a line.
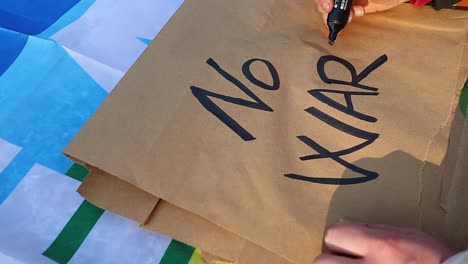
pixel 77 172
pixel 177 253
pixel 464 99
pixel 74 233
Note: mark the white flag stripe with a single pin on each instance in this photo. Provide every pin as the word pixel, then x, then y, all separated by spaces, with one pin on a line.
pixel 115 239
pixel 108 32
pixel 8 152
pixel 106 76
pixel 35 213
pixel 4 259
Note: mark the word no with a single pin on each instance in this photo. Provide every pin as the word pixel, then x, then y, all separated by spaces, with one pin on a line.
pixel 204 96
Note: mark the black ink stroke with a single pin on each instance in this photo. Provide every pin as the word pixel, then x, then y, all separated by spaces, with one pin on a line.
pixel 203 95
pixel 355 78
pixel 349 107
pixel 336 156
pixel 273 72
pixel 323 152
pixel 348 129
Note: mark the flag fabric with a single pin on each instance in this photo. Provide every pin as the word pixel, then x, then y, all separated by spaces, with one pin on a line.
pixel 58 62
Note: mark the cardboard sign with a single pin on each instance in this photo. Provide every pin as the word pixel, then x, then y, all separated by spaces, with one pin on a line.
pixel 242 114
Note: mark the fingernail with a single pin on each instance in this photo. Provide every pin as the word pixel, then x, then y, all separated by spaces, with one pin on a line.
pixel 359 12
pixel 326 6
pixel 350 18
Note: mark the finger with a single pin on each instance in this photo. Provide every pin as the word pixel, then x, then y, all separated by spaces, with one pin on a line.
pixel 390 228
pixel 358 10
pixel 324 6
pixel 351 15
pixel 325 16
pixel 377 6
pixel 333 259
pixel 349 238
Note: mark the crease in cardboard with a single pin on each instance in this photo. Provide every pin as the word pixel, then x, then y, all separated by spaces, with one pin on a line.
pixel 151 215
pixel 241 250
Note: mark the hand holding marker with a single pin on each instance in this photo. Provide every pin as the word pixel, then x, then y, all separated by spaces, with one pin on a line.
pixel 338 18
pixel 337 13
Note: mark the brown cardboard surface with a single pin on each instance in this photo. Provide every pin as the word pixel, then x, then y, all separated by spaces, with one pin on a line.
pixel 173 148
pixel 254 254
pixel 117 196
pixel 170 220
pixel 185 226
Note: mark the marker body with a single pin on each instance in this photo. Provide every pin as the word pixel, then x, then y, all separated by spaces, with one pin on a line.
pixel 338 18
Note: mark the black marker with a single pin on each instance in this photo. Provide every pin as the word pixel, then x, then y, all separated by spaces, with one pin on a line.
pixel 338 18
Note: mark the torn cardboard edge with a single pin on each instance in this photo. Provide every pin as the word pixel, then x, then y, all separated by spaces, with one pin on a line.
pixel 453 158
pixel 450 160
pixel 447 136
pixel 451 138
